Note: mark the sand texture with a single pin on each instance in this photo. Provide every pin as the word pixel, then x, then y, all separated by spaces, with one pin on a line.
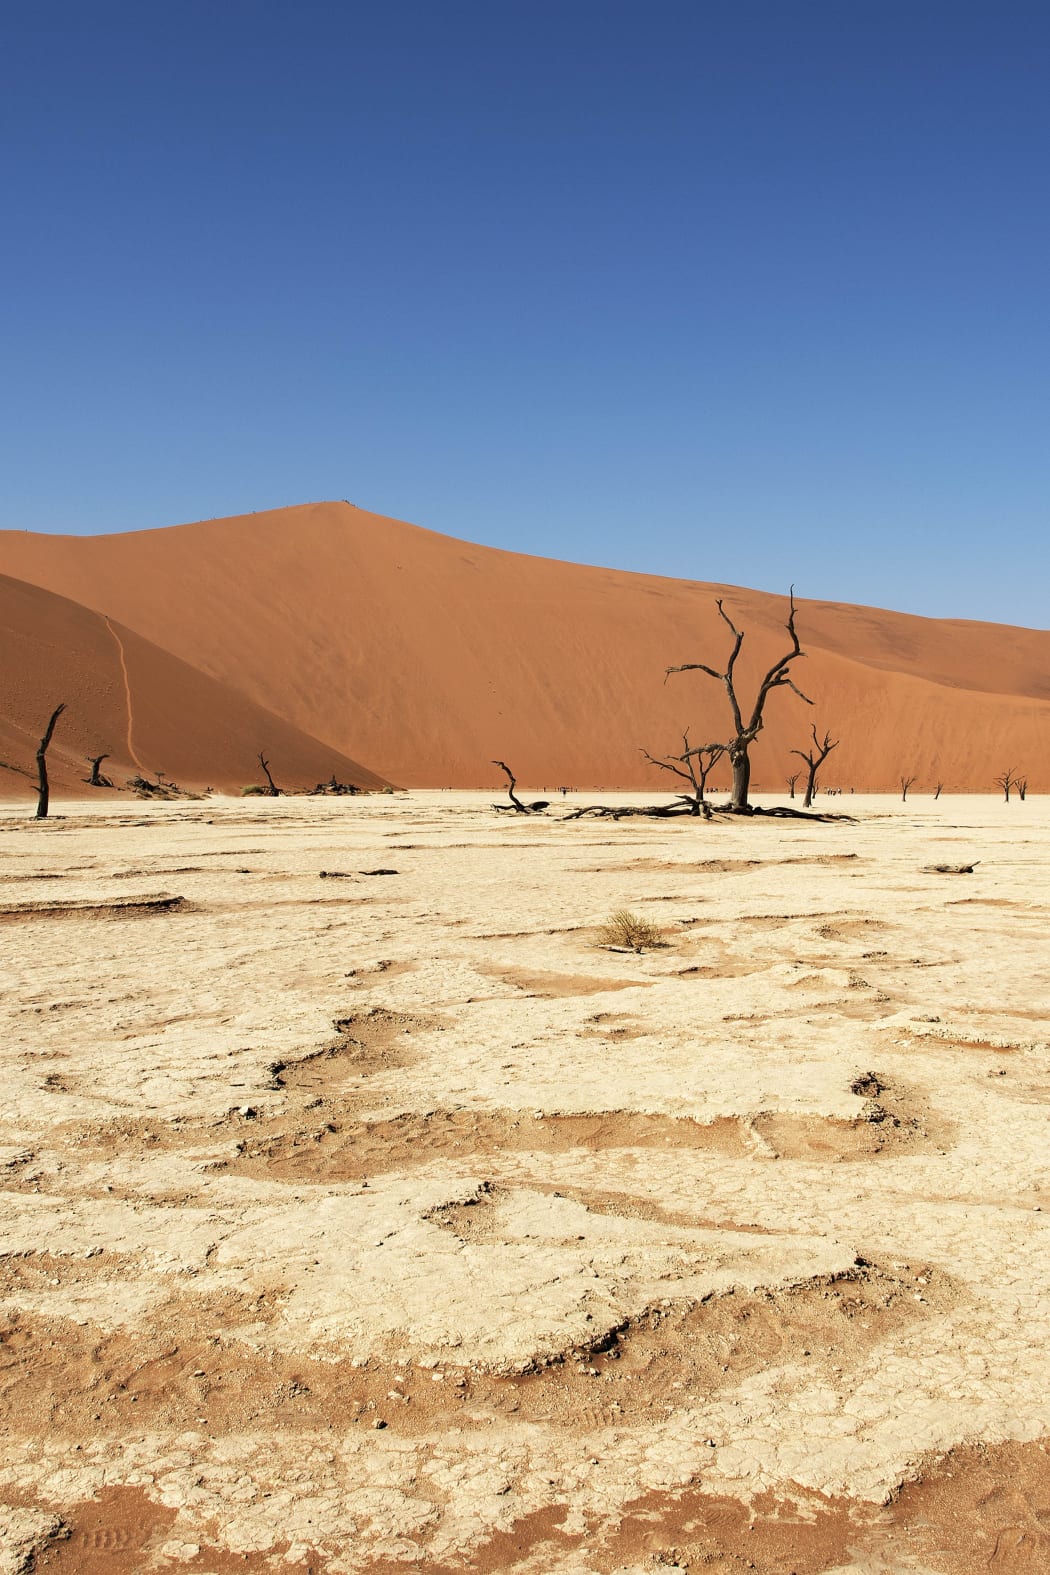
pixel 148 710
pixel 423 657
pixel 386 1221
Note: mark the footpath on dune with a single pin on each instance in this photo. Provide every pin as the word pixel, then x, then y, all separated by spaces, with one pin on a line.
pixel 146 709
pixel 427 656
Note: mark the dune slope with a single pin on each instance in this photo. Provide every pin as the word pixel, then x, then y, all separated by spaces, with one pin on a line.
pixel 196 730
pixel 429 656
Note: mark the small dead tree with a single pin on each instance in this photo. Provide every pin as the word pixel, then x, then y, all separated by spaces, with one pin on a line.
pixel 906 783
pixel 273 791
pixel 515 802
pixel 792 779
pixel 96 779
pixel 43 787
pixel 938 790
pixel 1022 788
pixel 693 766
pixel 814 759
pixel 1006 780
pixel 747 730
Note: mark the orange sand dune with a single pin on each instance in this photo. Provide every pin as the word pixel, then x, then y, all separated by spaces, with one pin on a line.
pixel 428 656
pixel 191 727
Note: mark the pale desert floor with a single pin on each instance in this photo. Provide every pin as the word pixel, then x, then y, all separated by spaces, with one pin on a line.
pixel 385 1221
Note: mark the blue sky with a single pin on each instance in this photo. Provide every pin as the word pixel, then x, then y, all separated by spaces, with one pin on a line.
pixel 752 292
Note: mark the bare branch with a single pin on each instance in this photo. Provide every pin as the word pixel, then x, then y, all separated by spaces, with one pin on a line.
pixel 788 683
pixel 726 677
pixel 706 749
pixel 668 765
pixel 694 667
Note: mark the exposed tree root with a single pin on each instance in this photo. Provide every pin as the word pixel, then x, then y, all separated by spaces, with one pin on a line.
pixel 687 806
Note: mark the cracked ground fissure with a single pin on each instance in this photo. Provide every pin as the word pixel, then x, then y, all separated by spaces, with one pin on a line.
pixel 745 1270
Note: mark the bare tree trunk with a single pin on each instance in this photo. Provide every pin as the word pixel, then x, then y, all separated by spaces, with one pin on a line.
pixel 741 762
pixel 274 791
pixel 511 784
pixel 96 779
pixel 44 789
pixel 537 806
pixel 791 784
pixel 937 791
pixel 811 786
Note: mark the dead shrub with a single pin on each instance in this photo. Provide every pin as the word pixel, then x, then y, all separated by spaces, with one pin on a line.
pixel 630 932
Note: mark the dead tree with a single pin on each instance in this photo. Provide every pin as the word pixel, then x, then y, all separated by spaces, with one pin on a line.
pixel 814 759
pixel 792 779
pixel 273 791
pixel 43 788
pixel 746 731
pixel 1006 780
pixel 96 779
pixel 1022 788
pixel 693 766
pixel 534 808
pixel 906 783
pixel 938 790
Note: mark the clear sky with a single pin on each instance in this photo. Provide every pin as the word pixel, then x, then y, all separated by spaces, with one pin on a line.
pixel 752 291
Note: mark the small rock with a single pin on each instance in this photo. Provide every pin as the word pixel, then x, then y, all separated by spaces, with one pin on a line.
pixel 378 1424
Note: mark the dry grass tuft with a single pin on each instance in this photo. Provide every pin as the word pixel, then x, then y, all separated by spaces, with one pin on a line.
pixel 630 932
